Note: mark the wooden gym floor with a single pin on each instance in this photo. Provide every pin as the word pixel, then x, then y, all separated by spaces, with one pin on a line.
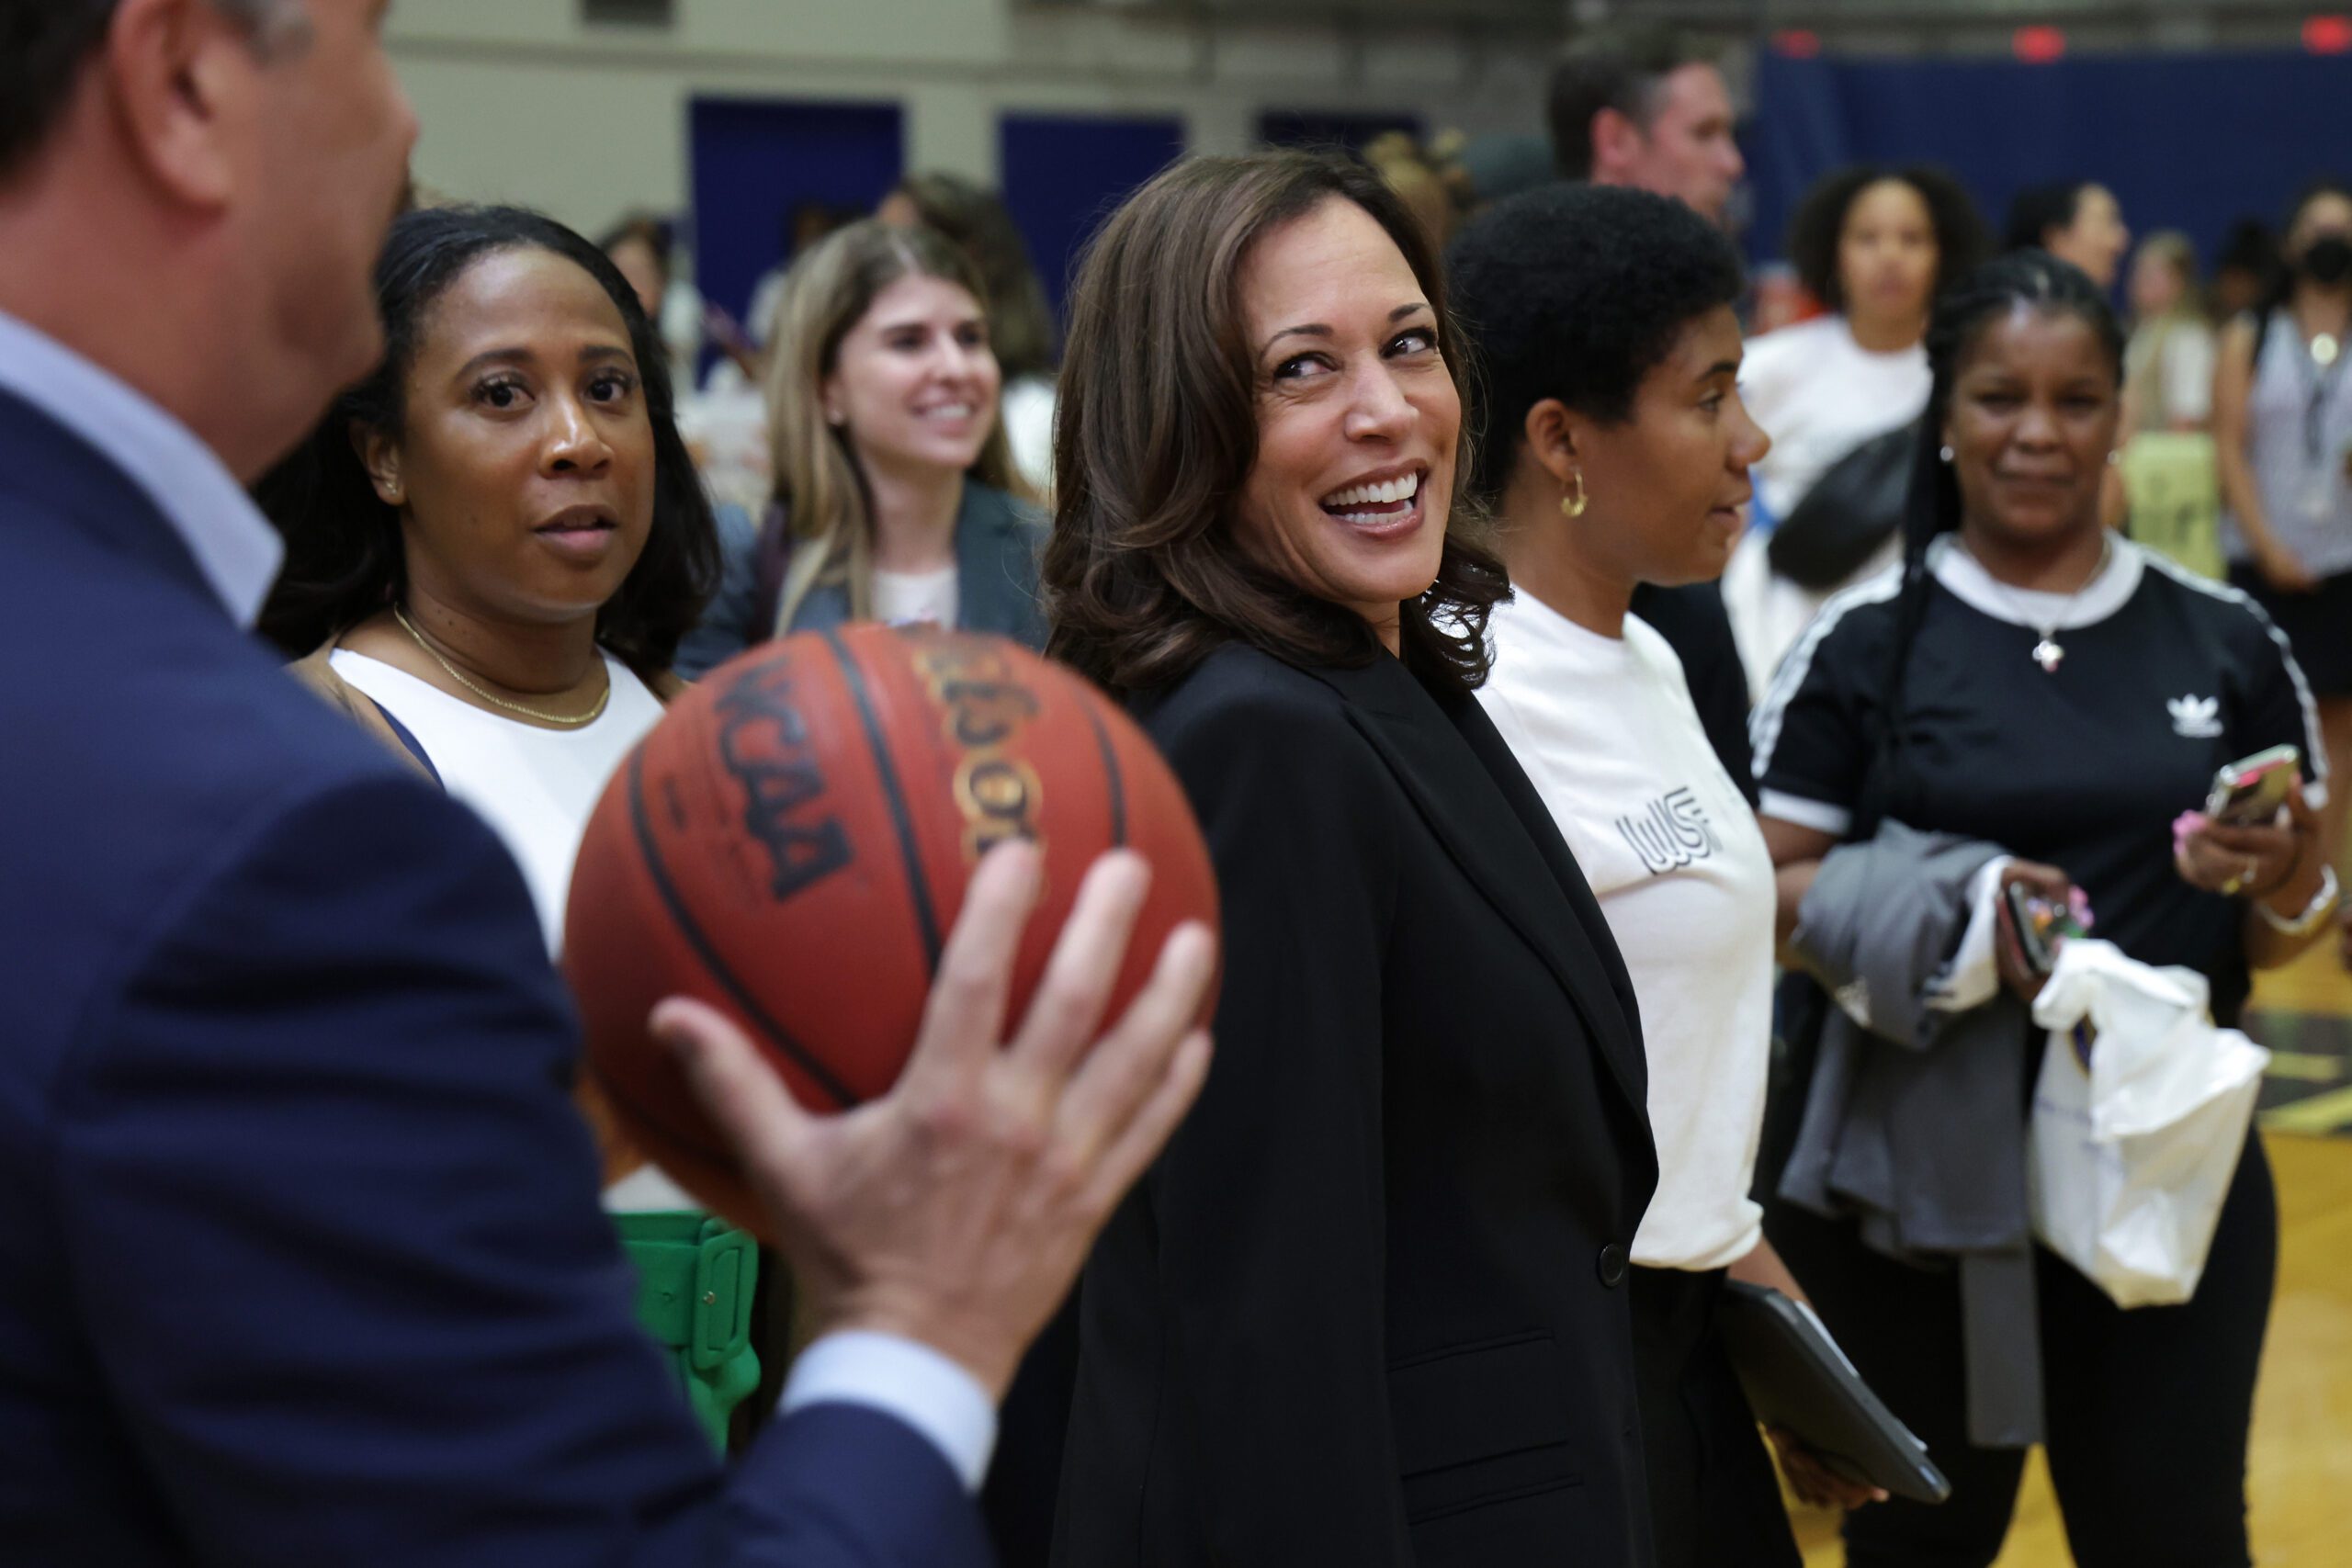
pixel 2299 1471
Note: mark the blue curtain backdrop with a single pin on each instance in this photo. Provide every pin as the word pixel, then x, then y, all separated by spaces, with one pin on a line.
pixel 1321 127
pixel 755 159
pixel 2185 142
pixel 1064 174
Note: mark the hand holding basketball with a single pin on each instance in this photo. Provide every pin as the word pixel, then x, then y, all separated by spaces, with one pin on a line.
pixel 956 1209
pixel 791 843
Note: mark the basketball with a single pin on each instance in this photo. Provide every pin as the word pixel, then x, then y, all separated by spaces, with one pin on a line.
pixel 791 844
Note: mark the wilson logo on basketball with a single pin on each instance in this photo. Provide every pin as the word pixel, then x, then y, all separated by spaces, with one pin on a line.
pixel 999 795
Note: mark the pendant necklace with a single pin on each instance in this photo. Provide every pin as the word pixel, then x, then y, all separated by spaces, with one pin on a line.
pixel 2047 651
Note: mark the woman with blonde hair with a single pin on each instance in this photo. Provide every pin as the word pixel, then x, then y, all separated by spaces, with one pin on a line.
pixel 2168 362
pixel 894 495
pixel 1020 323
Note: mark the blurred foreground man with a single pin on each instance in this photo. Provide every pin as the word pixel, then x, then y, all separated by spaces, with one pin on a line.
pixel 303 1262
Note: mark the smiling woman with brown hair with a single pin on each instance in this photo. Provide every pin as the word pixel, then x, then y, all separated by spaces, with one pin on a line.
pixel 894 488
pixel 1369 1308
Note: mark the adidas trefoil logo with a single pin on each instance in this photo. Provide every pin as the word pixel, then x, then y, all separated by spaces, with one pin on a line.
pixel 2199 718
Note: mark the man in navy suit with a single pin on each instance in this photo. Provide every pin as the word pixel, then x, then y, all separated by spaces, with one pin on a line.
pixel 300 1258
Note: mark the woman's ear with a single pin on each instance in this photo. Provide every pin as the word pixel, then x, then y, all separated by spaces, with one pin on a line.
pixel 1551 431
pixel 381 455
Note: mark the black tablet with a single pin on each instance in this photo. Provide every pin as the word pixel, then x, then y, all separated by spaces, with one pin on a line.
pixel 1798 1380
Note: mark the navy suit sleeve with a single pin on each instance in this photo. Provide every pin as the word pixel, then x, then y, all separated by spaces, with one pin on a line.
pixel 333 1229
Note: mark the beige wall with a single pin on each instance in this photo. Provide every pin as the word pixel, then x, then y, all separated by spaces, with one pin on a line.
pixel 519 102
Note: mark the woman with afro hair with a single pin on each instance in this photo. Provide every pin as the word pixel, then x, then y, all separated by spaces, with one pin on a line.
pixel 1877 246
pixel 1615 451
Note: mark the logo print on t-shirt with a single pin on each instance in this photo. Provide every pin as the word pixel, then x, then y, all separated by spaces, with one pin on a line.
pixel 2199 718
pixel 1670 833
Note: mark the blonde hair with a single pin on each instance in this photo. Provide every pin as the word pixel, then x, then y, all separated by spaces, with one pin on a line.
pixel 818 485
pixel 2178 253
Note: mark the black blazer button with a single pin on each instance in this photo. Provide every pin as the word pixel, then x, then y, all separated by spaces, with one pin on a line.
pixel 1612 1265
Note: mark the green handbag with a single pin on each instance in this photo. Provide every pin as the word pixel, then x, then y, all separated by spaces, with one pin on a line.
pixel 694 1279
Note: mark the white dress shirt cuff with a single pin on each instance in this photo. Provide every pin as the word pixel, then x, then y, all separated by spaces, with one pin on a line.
pixel 901 1378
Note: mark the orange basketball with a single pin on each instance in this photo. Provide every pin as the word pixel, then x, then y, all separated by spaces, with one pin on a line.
pixel 791 844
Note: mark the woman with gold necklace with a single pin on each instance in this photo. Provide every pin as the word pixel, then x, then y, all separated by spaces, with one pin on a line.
pixel 495 541
pixel 494 544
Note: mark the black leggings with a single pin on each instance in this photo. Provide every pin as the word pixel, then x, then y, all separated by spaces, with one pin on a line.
pixel 2147 1410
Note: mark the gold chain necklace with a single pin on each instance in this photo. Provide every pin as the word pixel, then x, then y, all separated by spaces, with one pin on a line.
pixel 569 721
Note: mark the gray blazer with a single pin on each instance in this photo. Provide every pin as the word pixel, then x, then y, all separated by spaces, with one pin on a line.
pixel 1915 1124
pixel 997 541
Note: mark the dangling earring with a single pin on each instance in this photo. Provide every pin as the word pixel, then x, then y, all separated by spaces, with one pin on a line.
pixel 1573 503
pixel 1945 453
pixel 2115 457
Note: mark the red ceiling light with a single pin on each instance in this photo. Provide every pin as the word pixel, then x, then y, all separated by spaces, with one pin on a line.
pixel 1797 43
pixel 2039 45
pixel 2328 35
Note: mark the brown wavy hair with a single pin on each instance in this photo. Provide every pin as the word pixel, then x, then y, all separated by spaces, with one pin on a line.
pixel 1157 431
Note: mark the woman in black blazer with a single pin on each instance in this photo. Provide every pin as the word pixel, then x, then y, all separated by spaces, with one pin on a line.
pixel 1368 1309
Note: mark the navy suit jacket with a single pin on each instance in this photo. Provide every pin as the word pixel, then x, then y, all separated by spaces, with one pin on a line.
pixel 302 1261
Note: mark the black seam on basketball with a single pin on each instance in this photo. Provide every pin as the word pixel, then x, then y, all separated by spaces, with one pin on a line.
pixel 689 928
pixel 926 919
pixel 1111 775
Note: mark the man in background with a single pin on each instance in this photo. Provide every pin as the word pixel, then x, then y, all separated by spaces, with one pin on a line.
pixel 1647 107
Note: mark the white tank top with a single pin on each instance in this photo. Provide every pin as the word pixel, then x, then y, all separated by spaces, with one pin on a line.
pixel 535 786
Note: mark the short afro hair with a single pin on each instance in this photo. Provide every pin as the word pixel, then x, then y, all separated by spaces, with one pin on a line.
pixel 1962 241
pixel 1576 292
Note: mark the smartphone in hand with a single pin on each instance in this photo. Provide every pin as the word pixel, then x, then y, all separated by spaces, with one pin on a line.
pixel 2249 792
pixel 2040 924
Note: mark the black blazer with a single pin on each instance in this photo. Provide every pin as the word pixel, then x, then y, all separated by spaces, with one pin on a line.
pixel 1369 1308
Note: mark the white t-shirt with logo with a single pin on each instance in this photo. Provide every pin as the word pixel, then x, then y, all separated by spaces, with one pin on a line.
pixel 1606 731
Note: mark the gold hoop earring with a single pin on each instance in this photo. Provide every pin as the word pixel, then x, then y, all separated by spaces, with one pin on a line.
pixel 1573 503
